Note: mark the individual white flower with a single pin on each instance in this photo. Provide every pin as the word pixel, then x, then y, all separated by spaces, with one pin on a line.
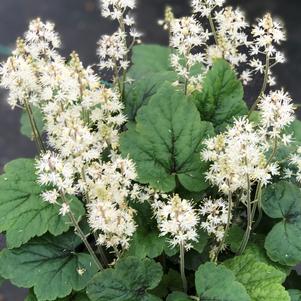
pixel 65 209
pixel 50 196
pixel 178 219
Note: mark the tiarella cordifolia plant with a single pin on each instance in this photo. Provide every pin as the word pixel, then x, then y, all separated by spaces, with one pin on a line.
pixel 158 183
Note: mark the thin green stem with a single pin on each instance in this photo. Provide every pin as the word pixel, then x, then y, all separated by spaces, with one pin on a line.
pixel 182 267
pixel 84 240
pixel 264 85
pixel 213 29
pixel 186 86
pixel 104 259
pixel 259 211
pixel 35 131
pixel 249 217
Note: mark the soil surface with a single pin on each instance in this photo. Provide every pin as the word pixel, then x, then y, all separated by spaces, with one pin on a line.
pixel 80 25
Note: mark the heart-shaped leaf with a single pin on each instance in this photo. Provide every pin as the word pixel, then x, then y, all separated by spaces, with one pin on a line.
pixel 166 142
pixel 282 200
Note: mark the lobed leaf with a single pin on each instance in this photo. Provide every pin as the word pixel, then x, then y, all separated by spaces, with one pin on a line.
pixel 282 200
pixel 130 280
pixel 139 93
pixel 23 213
pixel 218 283
pixel 48 264
pixel 166 142
pixel 222 96
pixel 262 281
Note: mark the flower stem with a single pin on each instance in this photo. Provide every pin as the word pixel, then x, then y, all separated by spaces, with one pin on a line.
pixel 264 85
pixel 85 241
pixel 36 134
pixel 250 220
pixel 182 267
pixel 212 26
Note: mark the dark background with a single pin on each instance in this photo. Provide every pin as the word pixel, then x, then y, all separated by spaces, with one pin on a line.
pixel 80 24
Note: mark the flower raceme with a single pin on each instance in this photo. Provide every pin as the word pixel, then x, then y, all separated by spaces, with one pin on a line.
pixel 177 219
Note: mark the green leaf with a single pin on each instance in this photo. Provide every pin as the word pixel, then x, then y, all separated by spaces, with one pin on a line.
pixel 2 280
pixel 202 241
pixel 23 214
pixel 73 297
pixel 31 296
pixel 234 238
pixel 50 265
pixel 282 200
pixel 222 96
pixel 26 128
pixel 262 281
pixel 219 284
pixel 178 296
pixel 129 281
pixel 295 295
pixel 149 59
pixel 166 142
pixel 140 92
pixel 146 244
pixel 147 241
pixel 170 282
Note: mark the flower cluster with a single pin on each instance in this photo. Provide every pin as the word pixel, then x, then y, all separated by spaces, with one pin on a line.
pixel 113 49
pixel 115 9
pixel 267 34
pixel 238 156
pixel 277 111
pixel 178 219
pixel 231 37
pixel 185 35
pixel 295 164
pixel 205 7
pixel 82 119
pixel 216 217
